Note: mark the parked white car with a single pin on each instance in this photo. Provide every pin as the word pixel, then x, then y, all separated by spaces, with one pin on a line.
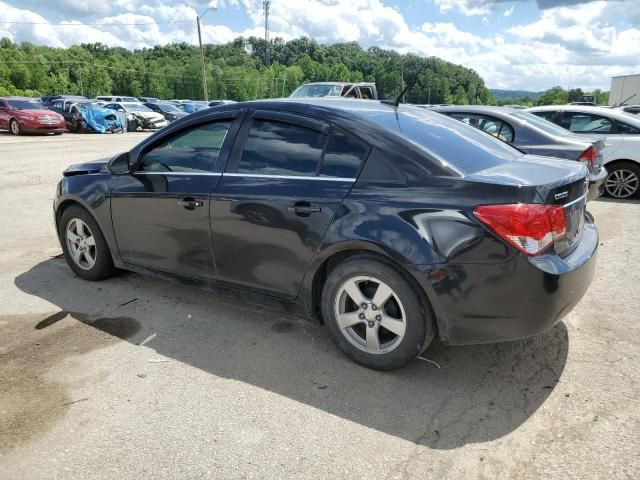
pixel 139 117
pixel 621 134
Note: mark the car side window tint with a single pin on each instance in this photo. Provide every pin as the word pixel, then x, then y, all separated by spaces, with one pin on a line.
pixel 490 125
pixel 547 115
pixel 277 148
pixel 626 129
pixel 343 156
pixel 579 122
pixel 191 151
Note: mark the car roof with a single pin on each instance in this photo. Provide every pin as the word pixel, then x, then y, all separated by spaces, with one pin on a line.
pixel 605 112
pixel 473 109
pixel 20 98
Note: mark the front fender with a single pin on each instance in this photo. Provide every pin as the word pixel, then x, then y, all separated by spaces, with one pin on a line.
pixel 93 193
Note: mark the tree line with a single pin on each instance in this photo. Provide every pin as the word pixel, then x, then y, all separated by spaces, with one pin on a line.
pixel 241 70
pixel 555 96
pixel 235 71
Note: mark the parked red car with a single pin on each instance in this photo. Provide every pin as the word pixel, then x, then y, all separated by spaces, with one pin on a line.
pixel 25 115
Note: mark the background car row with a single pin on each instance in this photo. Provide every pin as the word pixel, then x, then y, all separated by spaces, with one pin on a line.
pixel 607 140
pixel 104 114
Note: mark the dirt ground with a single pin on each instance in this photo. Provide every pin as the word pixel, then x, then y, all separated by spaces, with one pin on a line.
pixel 137 377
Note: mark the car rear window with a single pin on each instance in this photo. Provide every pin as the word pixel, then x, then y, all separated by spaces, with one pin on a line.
pixel 464 147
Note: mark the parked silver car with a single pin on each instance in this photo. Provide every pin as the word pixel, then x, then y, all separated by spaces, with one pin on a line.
pixel 535 136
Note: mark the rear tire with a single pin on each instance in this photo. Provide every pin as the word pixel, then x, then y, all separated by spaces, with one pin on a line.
pixel 83 244
pixel 623 181
pixel 374 314
pixel 14 127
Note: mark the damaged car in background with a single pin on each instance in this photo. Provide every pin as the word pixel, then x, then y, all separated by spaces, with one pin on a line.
pixel 87 117
pixel 138 116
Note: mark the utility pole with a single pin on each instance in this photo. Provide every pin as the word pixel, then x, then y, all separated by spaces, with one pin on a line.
pixel 81 89
pixel 212 7
pixel 204 71
pixel 265 5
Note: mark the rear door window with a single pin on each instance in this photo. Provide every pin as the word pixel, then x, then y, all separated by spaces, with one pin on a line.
pixel 547 114
pixel 626 129
pixel 191 151
pixel 491 125
pixel 279 148
pixel 366 93
pixel 582 122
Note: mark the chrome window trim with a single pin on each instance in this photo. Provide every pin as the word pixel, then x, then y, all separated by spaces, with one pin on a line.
pixel 290 177
pixel 210 174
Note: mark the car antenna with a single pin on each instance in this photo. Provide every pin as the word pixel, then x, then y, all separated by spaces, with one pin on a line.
pixel 396 102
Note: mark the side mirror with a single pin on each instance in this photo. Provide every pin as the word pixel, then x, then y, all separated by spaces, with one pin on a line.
pixel 120 165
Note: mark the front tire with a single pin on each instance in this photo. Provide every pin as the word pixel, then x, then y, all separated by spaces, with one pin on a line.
pixel 14 127
pixel 83 244
pixel 374 314
pixel 623 181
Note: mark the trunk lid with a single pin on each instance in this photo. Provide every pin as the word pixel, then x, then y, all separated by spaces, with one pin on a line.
pixel 572 196
pixel 557 182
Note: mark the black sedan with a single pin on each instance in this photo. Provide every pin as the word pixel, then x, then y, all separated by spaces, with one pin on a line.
pixel 389 224
pixel 535 136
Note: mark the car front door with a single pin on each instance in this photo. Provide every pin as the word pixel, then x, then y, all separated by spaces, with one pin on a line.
pixel 160 212
pixel 285 180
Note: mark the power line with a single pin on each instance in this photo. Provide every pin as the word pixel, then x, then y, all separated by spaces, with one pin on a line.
pixel 95 24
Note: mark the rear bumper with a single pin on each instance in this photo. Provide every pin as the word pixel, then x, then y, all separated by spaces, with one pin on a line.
pixel 596 184
pixel 497 302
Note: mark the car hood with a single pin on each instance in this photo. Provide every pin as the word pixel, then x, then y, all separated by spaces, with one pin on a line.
pixel 149 115
pixel 95 166
pixel 39 112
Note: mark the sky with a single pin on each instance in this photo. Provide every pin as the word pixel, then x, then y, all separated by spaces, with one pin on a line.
pixel 512 44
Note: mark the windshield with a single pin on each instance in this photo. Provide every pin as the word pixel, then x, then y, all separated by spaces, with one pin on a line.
pixel 129 99
pixel 317 91
pixel 168 107
pixel 462 146
pixel 26 104
pixel 137 108
pixel 541 123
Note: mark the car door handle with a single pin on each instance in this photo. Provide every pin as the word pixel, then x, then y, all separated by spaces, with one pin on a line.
pixel 304 209
pixel 190 203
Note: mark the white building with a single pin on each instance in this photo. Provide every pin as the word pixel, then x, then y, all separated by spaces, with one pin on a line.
pixel 624 87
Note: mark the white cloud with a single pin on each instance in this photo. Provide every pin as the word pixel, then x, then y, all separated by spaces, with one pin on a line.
pixel 509 11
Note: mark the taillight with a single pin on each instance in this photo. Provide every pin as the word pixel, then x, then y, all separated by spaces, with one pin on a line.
pixel 590 155
pixel 531 228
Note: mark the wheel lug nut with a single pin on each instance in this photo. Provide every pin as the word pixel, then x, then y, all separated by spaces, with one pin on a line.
pixel 364 306
pixel 374 307
pixel 361 316
pixel 370 323
pixel 378 317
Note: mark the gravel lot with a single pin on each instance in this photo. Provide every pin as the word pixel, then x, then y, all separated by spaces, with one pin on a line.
pixel 139 378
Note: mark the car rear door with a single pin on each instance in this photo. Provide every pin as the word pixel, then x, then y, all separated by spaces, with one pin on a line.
pixel 594 125
pixel 487 123
pixel 285 180
pixel 160 213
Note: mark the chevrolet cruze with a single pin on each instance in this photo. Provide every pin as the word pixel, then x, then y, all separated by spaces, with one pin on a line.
pixel 389 224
